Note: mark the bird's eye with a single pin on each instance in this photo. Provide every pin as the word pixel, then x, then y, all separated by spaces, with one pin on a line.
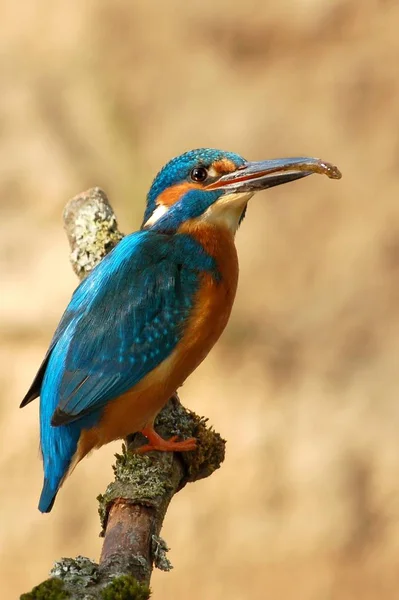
pixel 199 174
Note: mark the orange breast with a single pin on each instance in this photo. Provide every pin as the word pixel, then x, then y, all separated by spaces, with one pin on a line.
pixel 213 303
pixel 214 299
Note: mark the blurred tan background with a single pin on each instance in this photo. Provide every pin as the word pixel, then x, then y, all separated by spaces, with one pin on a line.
pixel 304 383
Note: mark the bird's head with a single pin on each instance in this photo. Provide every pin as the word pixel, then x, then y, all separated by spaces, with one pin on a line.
pixel 214 186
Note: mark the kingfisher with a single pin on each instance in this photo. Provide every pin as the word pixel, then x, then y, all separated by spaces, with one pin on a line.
pixel 149 313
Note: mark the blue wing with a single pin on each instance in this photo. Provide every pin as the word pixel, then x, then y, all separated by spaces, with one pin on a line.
pixel 124 320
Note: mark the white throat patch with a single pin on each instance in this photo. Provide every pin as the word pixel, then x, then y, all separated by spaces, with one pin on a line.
pixel 227 210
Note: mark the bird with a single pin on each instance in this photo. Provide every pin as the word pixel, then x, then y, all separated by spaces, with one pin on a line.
pixel 149 313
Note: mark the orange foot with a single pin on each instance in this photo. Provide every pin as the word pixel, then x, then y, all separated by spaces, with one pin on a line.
pixel 156 442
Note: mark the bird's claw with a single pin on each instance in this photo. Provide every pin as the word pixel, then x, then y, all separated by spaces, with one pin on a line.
pixel 171 445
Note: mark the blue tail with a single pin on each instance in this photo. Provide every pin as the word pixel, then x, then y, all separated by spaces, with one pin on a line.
pixel 47 496
pixel 58 444
pixel 55 470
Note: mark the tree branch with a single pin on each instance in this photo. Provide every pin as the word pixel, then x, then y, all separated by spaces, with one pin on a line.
pixel 134 505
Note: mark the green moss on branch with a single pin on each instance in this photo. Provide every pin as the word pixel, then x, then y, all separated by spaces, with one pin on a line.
pixel 51 589
pixel 125 587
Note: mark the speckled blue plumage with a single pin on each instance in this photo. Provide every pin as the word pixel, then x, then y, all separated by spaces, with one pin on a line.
pixel 123 320
pixel 179 168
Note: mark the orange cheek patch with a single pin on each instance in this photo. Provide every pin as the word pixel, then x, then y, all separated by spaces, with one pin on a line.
pixel 173 194
pixel 224 165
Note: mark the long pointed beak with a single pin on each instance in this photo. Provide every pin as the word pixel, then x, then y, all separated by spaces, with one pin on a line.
pixel 256 176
